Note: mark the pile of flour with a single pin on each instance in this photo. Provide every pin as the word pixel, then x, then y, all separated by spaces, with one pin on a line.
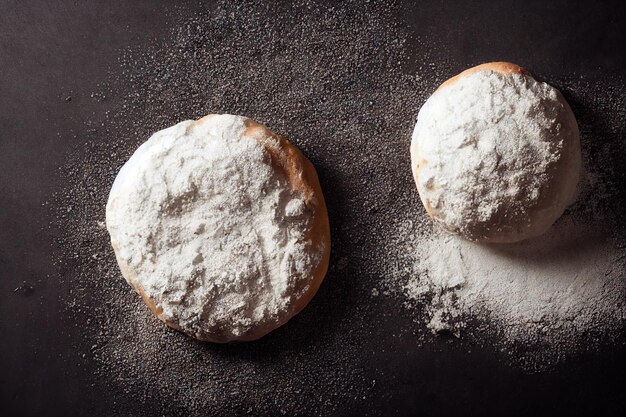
pixel 568 280
pixel 557 293
pixel 214 235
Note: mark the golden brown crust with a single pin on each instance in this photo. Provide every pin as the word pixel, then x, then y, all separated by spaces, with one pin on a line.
pixel 204 119
pixel 501 67
pixel 302 177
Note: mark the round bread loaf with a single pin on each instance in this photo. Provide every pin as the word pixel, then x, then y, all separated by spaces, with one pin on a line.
pixel 496 154
pixel 220 225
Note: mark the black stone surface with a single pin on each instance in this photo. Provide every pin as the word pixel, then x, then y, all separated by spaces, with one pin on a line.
pixel 54 53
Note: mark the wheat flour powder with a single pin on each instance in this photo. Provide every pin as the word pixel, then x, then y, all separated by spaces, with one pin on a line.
pixel 549 296
pixel 567 280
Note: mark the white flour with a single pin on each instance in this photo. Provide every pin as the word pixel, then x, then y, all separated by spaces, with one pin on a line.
pixel 214 234
pixel 558 293
pixel 496 156
pixel 567 281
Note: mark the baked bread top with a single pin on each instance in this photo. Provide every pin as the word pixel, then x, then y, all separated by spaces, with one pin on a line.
pixel 496 154
pixel 221 226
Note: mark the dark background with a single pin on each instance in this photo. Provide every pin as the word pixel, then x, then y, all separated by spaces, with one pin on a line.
pixel 51 48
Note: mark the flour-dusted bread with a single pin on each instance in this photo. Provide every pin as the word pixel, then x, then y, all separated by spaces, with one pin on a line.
pixel 220 225
pixel 496 154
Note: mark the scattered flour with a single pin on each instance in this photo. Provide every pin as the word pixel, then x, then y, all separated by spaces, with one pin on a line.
pixel 356 53
pixel 569 281
pixel 545 297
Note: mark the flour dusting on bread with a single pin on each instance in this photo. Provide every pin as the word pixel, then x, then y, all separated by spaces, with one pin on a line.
pixel 210 230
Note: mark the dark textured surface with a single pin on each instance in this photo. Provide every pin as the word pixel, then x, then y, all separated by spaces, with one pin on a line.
pixel 348 353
